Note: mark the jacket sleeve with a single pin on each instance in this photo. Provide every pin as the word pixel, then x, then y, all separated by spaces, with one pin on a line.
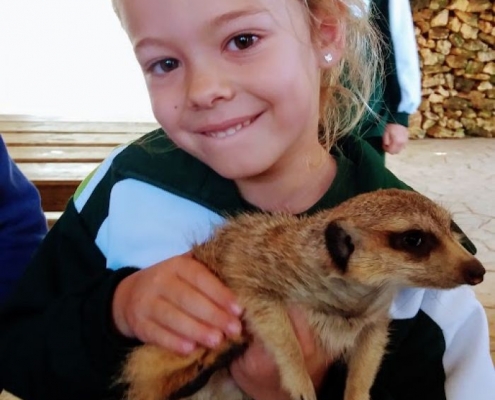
pixel 22 222
pixel 57 339
pixel 469 369
pixel 402 91
pixel 440 353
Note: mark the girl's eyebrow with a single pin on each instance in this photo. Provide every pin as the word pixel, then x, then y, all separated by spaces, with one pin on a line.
pixel 148 42
pixel 216 22
pixel 232 15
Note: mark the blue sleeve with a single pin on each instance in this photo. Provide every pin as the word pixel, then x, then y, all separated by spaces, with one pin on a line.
pixel 22 222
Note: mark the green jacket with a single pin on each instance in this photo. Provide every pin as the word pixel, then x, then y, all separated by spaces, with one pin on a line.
pixel 148 202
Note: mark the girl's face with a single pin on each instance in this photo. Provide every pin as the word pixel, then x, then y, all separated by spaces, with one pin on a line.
pixel 235 83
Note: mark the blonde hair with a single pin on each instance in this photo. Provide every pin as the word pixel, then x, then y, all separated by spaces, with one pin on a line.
pixel 346 88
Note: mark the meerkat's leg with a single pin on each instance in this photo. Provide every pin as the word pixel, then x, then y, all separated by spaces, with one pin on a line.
pixel 271 323
pixel 365 361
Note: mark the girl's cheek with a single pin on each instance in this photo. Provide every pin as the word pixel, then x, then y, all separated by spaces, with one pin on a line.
pixel 166 113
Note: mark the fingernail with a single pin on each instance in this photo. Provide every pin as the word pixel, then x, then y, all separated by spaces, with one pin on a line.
pixel 234 328
pixel 187 347
pixel 236 309
pixel 214 339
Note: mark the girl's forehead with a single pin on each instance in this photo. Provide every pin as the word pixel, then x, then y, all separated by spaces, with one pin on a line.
pixel 138 14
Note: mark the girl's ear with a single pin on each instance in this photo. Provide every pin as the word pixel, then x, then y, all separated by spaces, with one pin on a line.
pixel 330 41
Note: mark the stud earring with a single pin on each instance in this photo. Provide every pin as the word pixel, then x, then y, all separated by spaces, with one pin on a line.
pixel 328 57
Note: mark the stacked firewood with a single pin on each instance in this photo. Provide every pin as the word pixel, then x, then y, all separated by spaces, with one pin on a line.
pixel 456 41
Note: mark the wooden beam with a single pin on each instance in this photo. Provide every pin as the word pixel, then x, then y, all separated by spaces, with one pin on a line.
pixel 68 139
pixel 30 154
pixel 56 182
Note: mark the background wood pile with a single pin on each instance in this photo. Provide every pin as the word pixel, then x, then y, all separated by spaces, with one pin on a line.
pixel 456 40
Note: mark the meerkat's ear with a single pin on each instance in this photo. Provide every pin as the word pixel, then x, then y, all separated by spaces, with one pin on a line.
pixel 339 244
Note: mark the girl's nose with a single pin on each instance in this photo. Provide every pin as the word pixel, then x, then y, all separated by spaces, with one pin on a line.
pixel 207 86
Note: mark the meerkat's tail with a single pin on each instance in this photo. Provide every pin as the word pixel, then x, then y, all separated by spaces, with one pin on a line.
pixel 153 373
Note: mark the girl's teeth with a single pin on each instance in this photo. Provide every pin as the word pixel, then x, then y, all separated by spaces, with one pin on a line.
pixel 230 131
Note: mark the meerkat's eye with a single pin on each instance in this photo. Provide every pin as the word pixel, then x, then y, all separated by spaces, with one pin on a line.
pixel 415 242
pixel 413 238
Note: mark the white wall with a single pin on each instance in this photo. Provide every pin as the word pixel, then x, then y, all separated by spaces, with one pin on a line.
pixel 70 59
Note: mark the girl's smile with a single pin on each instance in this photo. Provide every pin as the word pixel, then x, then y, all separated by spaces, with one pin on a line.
pixel 227 128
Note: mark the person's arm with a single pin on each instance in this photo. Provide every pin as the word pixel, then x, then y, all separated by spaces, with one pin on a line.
pixel 440 353
pixel 395 138
pixel 469 369
pixel 398 94
pixel 22 222
pixel 57 340
pixel 403 76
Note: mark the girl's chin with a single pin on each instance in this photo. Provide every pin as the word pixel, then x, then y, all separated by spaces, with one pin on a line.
pixel 238 171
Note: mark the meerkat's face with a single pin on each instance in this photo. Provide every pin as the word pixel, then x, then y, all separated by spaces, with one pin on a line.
pixel 400 238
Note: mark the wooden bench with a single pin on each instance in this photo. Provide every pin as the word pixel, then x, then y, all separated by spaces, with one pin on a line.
pixel 58 170
pixel 57 155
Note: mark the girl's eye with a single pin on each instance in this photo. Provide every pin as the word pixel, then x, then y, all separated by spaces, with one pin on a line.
pixel 164 66
pixel 242 42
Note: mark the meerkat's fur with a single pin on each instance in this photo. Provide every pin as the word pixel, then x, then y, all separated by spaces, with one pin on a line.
pixel 343 266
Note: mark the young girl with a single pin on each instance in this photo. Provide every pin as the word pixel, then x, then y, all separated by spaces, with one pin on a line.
pixel 249 96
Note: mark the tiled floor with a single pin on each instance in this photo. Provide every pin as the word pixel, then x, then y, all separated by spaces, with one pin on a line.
pixel 460 174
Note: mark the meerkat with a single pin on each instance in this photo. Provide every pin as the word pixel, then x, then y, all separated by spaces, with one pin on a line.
pixel 342 266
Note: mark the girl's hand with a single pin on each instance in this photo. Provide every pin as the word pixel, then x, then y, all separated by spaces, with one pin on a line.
pixel 176 304
pixel 395 138
pixel 257 375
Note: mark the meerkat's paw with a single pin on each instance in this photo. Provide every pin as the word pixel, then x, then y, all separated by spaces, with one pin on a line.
pixel 356 393
pixel 300 387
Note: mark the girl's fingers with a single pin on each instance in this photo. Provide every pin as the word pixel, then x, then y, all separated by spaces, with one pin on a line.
pixel 168 339
pixel 204 280
pixel 302 330
pixel 174 320
pixel 316 361
pixel 177 303
pixel 204 311
pixel 386 140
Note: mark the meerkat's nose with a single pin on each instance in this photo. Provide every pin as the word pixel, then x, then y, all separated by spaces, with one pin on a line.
pixel 473 272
